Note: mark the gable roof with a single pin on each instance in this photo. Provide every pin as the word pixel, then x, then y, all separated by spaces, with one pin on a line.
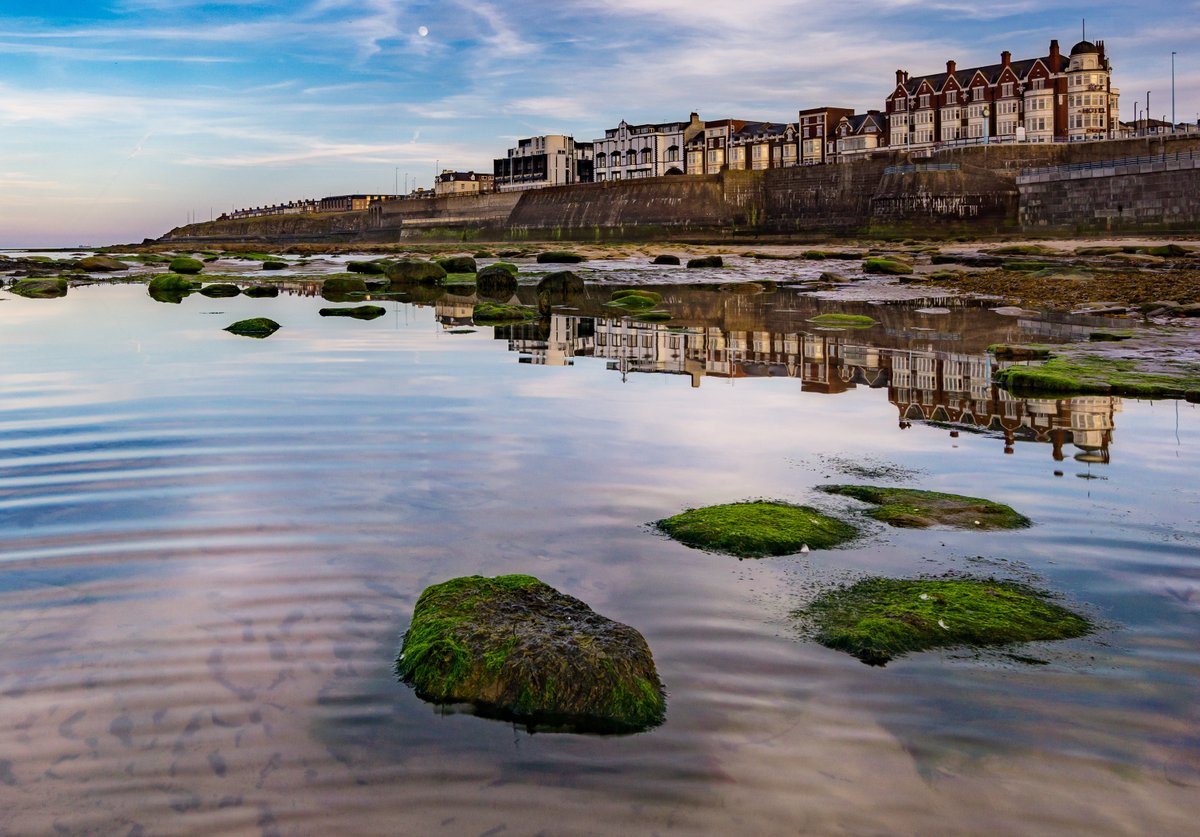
pixel 963 78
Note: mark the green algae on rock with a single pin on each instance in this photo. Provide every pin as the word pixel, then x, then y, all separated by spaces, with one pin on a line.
pixel 634 299
pixel 492 312
pixel 361 312
pixel 497 280
pixel 879 619
pixel 888 267
pixel 912 508
pixel 515 648
pixel 653 317
pixel 185 264
pixel 371 268
pixel 343 285
pixel 416 271
pixel 1083 374
pixel 458 264
pixel 274 264
pixel 757 528
pixel 254 327
pixel 260 291
pixel 843 320
pixel 220 290
pixel 101 264
pixel 40 288
pixel 1016 351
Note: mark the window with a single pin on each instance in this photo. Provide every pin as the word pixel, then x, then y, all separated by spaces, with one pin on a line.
pixel 952 97
pixel 924 100
pixel 1006 89
pixel 1038 84
pixel 673 154
pixel 979 93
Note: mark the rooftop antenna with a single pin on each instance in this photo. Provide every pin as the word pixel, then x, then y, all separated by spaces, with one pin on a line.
pixel 1085 28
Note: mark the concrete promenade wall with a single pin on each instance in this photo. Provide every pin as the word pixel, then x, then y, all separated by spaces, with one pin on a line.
pixel 1154 196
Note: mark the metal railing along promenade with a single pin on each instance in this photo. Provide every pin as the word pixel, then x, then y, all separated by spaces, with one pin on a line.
pixel 1122 163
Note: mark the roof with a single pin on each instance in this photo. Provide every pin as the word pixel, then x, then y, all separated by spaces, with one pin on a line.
pixel 992 73
pixel 858 122
pixel 1084 46
pixel 762 129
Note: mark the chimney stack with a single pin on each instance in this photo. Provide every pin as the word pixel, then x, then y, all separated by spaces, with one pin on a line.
pixel 899 77
pixel 1100 46
pixel 1005 58
pixel 950 68
pixel 1055 57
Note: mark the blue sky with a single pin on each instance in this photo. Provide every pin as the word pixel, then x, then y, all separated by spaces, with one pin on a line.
pixel 120 118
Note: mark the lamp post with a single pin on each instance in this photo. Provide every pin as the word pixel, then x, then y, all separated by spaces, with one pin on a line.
pixel 1172 92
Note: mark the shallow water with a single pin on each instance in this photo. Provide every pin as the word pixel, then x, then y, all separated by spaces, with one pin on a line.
pixel 210 547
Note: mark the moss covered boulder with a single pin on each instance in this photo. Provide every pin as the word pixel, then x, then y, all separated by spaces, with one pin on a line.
pixel 255 327
pixel 102 264
pixel 498 280
pixel 1080 374
pixel 340 286
pixel 559 257
pixel 40 288
pixel 220 290
pixel 756 529
pixel 915 509
pixel 260 291
pixel 562 283
pixel 706 261
pixel 458 264
pixel 887 267
pixel 516 648
pixel 633 299
pixel 171 287
pixel 416 272
pixel 879 619
pixel 843 321
pixel 186 265
pixel 360 312
pixel 491 312
pixel 666 259
pixel 273 264
pixel 369 268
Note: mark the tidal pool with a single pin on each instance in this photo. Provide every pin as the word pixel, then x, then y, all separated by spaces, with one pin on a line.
pixel 211 546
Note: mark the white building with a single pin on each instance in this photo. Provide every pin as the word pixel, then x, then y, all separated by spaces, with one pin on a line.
pixel 651 150
pixel 538 162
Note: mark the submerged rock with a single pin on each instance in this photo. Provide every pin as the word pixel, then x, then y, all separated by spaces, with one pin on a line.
pixel 633 299
pixel 370 268
pixel 912 508
pixel 843 321
pixel 516 648
pixel 342 286
pixel 416 271
pixel 491 312
pixel 254 327
pixel 498 280
pixel 879 619
pixel 757 529
pixel 101 264
pixel 259 291
pixel 220 290
pixel 40 288
pixel 559 257
pixel 171 288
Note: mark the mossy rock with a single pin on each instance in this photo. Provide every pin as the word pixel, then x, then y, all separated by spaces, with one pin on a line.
pixel 341 286
pixel 1097 251
pixel 1010 351
pixel 633 299
pixel 879 619
pixel 173 282
pixel 458 264
pixel 559 257
pixel 186 265
pixel 255 327
pixel 369 268
pixel 1080 374
pixel 666 259
pixel 1167 251
pixel 416 272
pixel 706 261
pixel 915 509
pixel 561 283
pixel 757 528
pixel 220 290
pixel 360 312
pixel 260 291
pixel 40 288
pixel 653 317
pixel 1029 266
pixel 102 264
pixel 496 281
pixel 491 312
pixel 843 321
pixel 888 267
pixel 1024 250
pixel 273 264
pixel 515 648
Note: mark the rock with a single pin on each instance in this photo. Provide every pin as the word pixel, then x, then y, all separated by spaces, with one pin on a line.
pixel 185 264
pixel 40 288
pixel 416 271
pixel 706 261
pixel 665 259
pixel 491 312
pixel 272 264
pixel 843 321
pixel 634 299
pixel 373 268
pixel 1006 351
pixel 173 282
pixel 101 264
pixel 259 291
pixel 889 267
pixel 562 282
pixel 516 648
pixel 559 257
pixel 341 286
pixel 220 290
pixel 361 312
pixel 458 264
pixel 258 327
pixel 915 509
pixel 498 281
pixel 879 619
pixel 756 529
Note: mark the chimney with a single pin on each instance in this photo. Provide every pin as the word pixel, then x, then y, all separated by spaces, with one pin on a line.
pixel 1005 58
pixel 1055 57
pixel 950 68
pixel 1100 46
pixel 899 77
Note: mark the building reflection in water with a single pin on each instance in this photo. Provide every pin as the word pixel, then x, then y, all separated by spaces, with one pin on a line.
pixel 932 386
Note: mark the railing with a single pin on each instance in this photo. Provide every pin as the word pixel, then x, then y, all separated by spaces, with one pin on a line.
pixel 913 168
pixel 1124 162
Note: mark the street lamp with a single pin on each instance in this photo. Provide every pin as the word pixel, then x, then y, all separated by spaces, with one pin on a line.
pixel 1172 92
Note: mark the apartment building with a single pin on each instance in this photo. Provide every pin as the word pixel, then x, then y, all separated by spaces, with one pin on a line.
pixel 451 182
pixel 764 145
pixel 538 162
pixel 627 152
pixel 818 141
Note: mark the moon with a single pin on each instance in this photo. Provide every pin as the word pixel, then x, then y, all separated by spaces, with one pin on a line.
pixel 423 31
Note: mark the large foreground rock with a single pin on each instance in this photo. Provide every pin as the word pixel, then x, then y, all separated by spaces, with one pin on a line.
pixel 40 288
pixel 516 648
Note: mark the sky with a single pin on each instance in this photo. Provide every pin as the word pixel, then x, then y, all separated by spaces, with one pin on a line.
pixel 121 119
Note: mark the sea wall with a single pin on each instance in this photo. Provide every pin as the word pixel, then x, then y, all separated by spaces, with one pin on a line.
pixel 1155 195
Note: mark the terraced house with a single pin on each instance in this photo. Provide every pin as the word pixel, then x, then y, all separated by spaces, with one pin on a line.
pixel 764 145
pixel 1053 98
pixel 627 152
